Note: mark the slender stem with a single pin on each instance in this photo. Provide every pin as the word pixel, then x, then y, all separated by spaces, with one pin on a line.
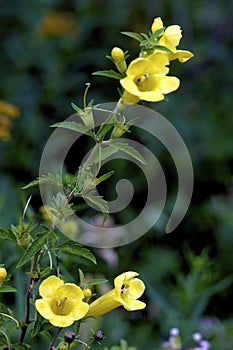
pixel 27 300
pixel 86 346
pixel 54 339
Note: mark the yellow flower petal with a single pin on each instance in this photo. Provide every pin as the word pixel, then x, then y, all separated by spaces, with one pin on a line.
pixel 152 96
pixel 130 86
pixel 70 291
pixel 171 37
pixel 157 24
pixel 134 305
pixel 43 306
pixel 61 321
pixel 79 310
pixel 136 289
pixel 169 84
pixel 122 278
pixel 49 286
pixel 181 55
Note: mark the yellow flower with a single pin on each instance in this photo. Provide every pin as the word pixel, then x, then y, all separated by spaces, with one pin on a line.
pixel 7 111
pixel 146 79
pixel 170 38
pixel 126 292
pixel 3 274
pixel 61 302
pixel 56 23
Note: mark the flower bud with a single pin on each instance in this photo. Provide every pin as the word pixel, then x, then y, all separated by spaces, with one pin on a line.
pixel 99 335
pixel 3 274
pixel 24 240
pixel 118 57
pixel 69 337
pixel 87 293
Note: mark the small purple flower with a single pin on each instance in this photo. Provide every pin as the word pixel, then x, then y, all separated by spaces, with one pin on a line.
pixel 197 336
pixel 204 344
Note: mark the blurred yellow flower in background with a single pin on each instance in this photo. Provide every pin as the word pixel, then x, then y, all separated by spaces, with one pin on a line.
pixel 127 290
pixel 56 23
pixel 7 112
pixel 170 38
pixel 146 79
pixel 61 302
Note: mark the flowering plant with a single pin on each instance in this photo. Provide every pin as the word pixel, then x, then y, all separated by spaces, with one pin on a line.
pixel 52 301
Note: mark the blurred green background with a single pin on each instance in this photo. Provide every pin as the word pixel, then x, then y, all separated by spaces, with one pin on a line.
pixel 49 50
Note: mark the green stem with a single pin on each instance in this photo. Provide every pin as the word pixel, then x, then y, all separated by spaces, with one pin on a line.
pixel 27 300
pixel 7 340
pixel 54 339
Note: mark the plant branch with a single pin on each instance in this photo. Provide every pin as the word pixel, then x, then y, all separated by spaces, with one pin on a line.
pixel 54 339
pixel 27 299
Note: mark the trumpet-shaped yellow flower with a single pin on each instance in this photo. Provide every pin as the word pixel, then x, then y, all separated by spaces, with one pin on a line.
pixel 146 79
pixel 170 38
pixel 61 302
pixel 3 274
pixel 126 292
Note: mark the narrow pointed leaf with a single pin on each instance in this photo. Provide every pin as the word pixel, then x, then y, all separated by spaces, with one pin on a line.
pixel 76 249
pixel 133 35
pixel 105 177
pixel 108 73
pixel 124 147
pixel 34 248
pixel 72 126
pixel 7 289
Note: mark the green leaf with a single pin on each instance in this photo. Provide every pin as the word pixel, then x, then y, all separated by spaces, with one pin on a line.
pixel 7 235
pixel 124 147
pixel 96 281
pixel 76 249
pixel 157 34
pixel 73 126
pixel 162 48
pixel 21 347
pixel 46 179
pixel 81 275
pixel 133 35
pixel 37 325
pixel 106 126
pixel 105 153
pixel 108 73
pixel 104 177
pixel 98 202
pixel 32 184
pixel 7 289
pixel 34 248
